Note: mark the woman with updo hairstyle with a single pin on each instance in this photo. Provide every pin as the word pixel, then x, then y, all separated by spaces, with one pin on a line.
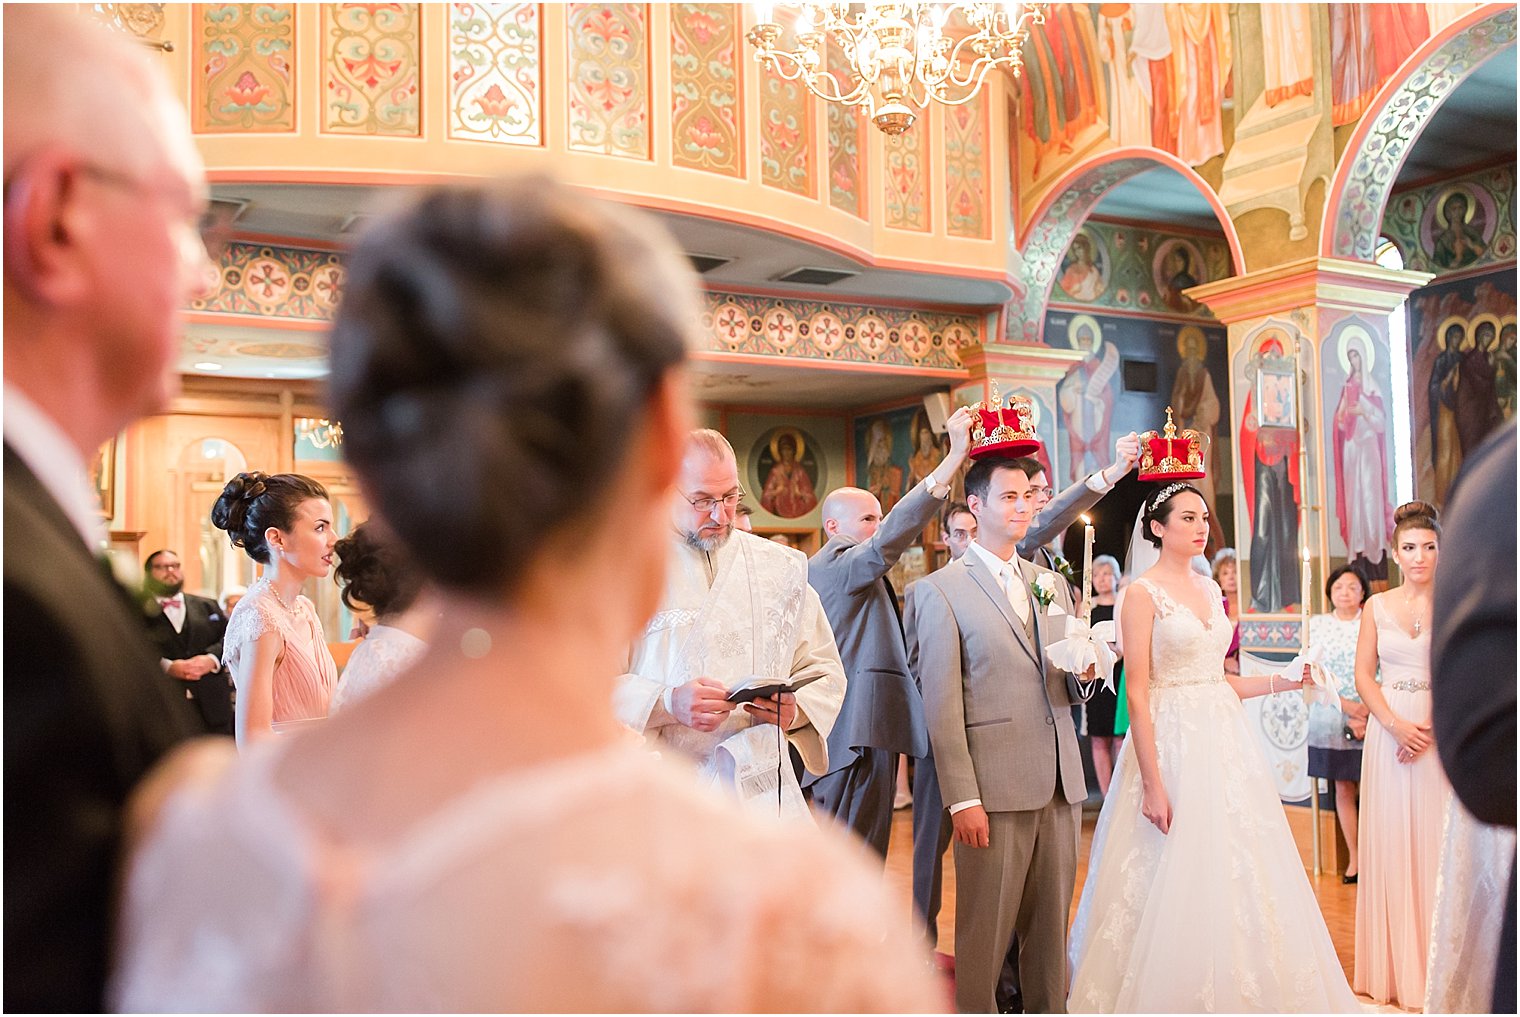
pixel 1192 847
pixel 274 643
pixel 482 834
pixel 376 575
pixel 1404 791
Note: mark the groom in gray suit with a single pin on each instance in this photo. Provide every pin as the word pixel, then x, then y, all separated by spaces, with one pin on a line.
pixel 1004 745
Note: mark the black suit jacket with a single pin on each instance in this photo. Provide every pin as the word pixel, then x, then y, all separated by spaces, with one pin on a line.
pixel 205 624
pixel 1472 654
pixel 86 715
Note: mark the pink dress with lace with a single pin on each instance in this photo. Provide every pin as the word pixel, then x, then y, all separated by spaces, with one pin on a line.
pixel 608 881
pixel 304 674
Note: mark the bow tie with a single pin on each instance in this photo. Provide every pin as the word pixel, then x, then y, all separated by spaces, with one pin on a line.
pixel 174 601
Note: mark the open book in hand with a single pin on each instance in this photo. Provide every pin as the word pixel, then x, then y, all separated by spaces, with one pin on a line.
pixel 759 686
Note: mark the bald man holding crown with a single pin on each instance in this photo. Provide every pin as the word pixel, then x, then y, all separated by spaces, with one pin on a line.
pixel 883 712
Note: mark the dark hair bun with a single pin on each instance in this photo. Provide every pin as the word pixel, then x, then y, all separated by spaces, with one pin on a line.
pixel 373 569
pixel 1410 511
pixel 495 350
pixel 253 502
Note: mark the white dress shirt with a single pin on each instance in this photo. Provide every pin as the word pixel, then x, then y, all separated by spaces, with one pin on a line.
pixel 56 464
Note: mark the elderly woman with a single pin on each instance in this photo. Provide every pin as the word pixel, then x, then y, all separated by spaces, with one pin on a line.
pixel 481 834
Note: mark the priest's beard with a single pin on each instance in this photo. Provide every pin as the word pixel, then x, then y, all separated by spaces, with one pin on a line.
pixel 708 544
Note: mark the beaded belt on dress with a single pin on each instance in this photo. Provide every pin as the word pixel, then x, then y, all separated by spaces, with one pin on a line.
pixel 1184 682
pixel 1410 685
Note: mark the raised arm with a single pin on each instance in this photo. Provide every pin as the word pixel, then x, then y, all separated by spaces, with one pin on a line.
pixel 1136 619
pixel 1065 507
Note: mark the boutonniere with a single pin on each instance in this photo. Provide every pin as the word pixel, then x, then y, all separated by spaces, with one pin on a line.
pixel 1063 567
pixel 1044 588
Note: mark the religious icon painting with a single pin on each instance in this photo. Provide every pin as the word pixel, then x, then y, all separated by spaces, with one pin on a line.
pixel 786 465
pixel 1178 265
pixel 1275 403
pixel 1458 225
pixel 1085 269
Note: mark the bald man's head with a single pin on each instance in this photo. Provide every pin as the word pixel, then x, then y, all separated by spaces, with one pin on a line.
pixel 104 191
pixel 851 512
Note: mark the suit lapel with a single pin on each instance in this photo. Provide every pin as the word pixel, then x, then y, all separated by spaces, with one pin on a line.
pixel 1029 572
pixel 994 589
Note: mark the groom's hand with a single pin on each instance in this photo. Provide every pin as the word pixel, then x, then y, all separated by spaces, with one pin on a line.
pixel 971 827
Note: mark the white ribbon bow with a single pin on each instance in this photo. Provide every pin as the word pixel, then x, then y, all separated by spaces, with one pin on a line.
pixel 1085 646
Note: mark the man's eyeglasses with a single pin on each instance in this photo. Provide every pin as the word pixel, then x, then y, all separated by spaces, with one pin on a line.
pixel 706 505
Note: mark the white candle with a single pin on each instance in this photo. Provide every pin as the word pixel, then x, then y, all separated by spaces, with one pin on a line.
pixel 1087 540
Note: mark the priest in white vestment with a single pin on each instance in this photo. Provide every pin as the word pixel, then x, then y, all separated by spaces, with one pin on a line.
pixel 736 609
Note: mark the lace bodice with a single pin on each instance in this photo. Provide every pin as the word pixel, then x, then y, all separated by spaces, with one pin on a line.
pixel 604 882
pixel 305 675
pixel 1186 650
pixel 376 662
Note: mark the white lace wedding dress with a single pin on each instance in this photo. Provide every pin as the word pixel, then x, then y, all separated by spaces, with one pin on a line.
pixel 1217 914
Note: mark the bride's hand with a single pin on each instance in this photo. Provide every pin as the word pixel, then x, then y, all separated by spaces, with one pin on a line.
pixel 1157 807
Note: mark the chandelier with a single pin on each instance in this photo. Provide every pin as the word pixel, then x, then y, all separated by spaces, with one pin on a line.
pixel 898 55
pixel 320 431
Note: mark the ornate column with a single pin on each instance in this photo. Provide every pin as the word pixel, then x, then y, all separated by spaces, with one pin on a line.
pixel 1314 447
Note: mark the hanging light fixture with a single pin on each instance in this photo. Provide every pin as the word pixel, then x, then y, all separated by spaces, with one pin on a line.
pixel 320 431
pixel 898 54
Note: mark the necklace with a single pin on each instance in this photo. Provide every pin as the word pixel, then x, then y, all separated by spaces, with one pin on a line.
pixel 276 591
pixel 1418 623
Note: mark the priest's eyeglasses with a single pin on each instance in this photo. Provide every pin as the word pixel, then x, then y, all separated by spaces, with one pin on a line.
pixel 706 504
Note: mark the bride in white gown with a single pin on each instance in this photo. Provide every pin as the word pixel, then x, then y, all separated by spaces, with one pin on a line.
pixel 1195 899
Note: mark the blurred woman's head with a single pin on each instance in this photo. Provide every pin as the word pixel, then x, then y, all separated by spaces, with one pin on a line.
pixel 1105 575
pixel 1226 570
pixel 505 364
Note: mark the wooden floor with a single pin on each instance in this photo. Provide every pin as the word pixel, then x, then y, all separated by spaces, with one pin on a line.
pixel 1336 900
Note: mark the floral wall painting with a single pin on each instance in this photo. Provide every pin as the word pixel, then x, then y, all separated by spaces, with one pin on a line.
pixel 371 69
pixel 608 101
pixel 496 73
pixel 1178 264
pixel 1085 269
pixel 1269 466
pixel 787 470
pixel 242 73
pixel 704 88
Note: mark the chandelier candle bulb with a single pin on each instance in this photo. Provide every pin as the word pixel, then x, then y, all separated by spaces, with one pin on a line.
pixel 1087 541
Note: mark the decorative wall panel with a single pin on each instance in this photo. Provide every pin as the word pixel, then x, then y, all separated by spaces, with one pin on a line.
pixel 846 143
pixel 1130 268
pixel 1457 224
pixel 241 78
pixel 907 179
pixel 786 134
pixel 866 334
pixel 275 282
pixel 967 166
pixel 496 73
pixel 706 127
pixel 371 69
pixel 609 79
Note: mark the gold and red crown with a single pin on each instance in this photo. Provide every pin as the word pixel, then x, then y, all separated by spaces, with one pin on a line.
pixel 1171 456
pixel 1003 431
